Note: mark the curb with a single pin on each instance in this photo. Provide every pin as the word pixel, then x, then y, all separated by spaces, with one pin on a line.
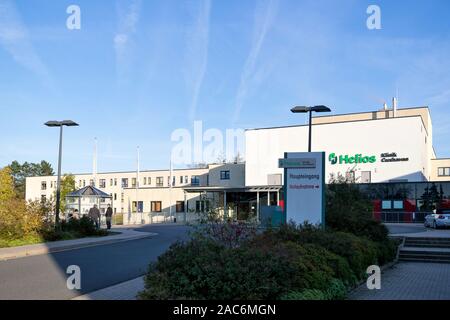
pixel 126 290
pixel 45 250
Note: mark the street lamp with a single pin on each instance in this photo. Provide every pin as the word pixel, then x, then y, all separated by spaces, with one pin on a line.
pixel 304 109
pixel 60 124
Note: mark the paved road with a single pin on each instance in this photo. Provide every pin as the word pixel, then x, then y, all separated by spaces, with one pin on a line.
pixel 44 277
pixel 410 281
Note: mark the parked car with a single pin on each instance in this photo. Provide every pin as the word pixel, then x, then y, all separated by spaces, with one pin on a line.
pixel 440 219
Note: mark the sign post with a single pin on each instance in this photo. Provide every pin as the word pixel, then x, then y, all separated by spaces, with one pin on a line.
pixel 304 187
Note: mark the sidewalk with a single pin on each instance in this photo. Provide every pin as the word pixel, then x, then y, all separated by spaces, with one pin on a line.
pixel 409 281
pixel 122 291
pixel 56 246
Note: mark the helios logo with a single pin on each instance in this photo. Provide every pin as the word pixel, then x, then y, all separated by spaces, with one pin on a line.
pixel 332 158
pixel 347 159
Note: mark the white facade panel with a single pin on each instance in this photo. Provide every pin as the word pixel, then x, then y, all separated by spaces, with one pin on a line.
pixel 404 136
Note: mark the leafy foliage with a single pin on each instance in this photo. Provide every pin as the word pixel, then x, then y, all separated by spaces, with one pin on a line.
pixel 349 210
pixel 67 186
pixel 21 171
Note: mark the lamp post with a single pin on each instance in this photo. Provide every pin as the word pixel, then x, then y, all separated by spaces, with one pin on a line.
pixel 60 124
pixel 303 109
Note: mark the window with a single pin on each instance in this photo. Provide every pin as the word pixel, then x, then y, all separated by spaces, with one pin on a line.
pixel 225 175
pixel 149 181
pixel 44 185
pixel 173 180
pixel 124 182
pixel 186 179
pixel 386 204
pixel 180 206
pixel 43 198
pixel 102 183
pixel 195 180
pixel 398 204
pixel 159 181
pixel 140 206
pixel 91 182
pixel 84 183
pixel 156 206
pixel 51 184
pixel 365 176
pixel 443 172
pixel 115 196
pixel 201 206
pixel 115 181
pixel 111 182
pixel 168 181
pixel 350 176
pixel 133 182
pixel 145 181
pixel 181 179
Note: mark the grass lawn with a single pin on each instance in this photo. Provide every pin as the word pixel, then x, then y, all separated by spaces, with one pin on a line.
pixel 4 243
pixel 7 243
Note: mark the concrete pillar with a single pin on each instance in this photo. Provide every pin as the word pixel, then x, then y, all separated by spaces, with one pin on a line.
pixel 257 207
pixel 185 207
pixel 225 211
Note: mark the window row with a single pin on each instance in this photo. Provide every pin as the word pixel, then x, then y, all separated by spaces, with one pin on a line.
pixel 156 206
pixel 444 172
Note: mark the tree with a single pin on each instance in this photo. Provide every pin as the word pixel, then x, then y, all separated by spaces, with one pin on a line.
pixel 21 171
pixel 67 186
pixel 6 185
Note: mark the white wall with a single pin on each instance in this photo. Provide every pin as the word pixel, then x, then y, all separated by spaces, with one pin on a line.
pixel 405 136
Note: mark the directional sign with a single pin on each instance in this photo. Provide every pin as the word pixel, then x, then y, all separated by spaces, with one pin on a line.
pixel 297 163
pixel 304 183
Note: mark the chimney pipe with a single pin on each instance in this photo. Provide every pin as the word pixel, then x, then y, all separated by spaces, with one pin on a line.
pixel 394 106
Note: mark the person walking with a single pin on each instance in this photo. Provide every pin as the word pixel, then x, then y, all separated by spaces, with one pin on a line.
pixel 94 214
pixel 108 215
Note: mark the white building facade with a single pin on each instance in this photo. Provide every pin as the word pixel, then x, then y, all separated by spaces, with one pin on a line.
pixel 371 147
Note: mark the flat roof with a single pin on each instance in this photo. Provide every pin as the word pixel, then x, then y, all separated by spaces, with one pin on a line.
pixel 338 122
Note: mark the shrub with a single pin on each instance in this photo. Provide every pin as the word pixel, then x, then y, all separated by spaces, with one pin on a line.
pixel 84 226
pixel 307 294
pixel 19 219
pixel 335 291
pixel 349 210
pixel 358 252
pixel 204 269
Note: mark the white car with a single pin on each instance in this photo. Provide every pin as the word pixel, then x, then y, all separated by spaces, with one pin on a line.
pixel 438 220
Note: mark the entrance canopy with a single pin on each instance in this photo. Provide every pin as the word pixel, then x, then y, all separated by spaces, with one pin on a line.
pixel 85 198
pixel 241 203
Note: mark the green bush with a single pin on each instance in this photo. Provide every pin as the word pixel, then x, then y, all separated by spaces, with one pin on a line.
pixel 207 270
pixel 358 252
pixel 307 294
pixel 336 291
pixel 349 210
pixel 204 269
pixel 84 227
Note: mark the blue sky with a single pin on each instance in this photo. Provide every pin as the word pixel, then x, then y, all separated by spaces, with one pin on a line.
pixel 137 70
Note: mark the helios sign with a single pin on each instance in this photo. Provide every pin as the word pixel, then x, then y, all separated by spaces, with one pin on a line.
pixel 350 159
pixel 304 183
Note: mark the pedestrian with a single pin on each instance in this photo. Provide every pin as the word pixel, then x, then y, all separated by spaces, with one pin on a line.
pixel 75 214
pixel 108 215
pixel 94 214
